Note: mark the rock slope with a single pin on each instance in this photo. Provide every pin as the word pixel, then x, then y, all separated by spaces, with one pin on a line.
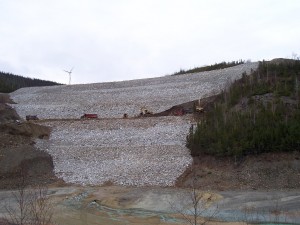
pixel 114 99
pixel 139 152
pixel 144 151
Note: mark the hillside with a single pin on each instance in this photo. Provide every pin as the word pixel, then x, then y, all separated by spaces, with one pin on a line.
pixel 151 150
pixel 216 66
pixel 257 114
pixel 118 168
pixel 18 155
pixel 112 149
pixel 249 136
pixel 10 82
pixel 113 99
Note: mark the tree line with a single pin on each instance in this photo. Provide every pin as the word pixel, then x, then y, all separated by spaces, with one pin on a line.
pixel 215 66
pixel 10 82
pixel 256 114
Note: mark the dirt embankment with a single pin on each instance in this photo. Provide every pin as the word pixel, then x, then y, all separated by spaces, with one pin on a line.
pixel 18 156
pixel 268 171
pixel 272 171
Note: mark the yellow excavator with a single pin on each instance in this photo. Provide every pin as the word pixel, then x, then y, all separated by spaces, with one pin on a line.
pixel 144 111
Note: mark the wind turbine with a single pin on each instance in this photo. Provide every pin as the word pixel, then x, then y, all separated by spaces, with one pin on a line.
pixel 69 72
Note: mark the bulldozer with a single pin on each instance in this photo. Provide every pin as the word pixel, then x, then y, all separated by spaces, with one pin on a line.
pixel 144 111
pixel 198 107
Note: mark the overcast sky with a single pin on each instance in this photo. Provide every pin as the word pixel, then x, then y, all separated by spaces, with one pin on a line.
pixel 112 40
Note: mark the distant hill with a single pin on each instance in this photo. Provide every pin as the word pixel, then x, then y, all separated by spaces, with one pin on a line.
pixel 10 82
pixel 215 66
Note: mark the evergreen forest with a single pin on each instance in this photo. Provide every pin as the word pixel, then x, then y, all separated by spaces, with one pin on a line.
pixel 215 66
pixel 10 82
pixel 256 114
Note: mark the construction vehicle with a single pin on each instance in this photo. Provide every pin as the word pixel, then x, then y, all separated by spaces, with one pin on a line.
pixel 198 107
pixel 145 111
pixel 178 112
pixel 89 116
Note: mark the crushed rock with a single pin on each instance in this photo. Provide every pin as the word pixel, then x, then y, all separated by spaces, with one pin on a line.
pixel 141 152
pixel 113 99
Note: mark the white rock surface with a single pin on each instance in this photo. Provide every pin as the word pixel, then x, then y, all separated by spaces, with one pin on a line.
pixel 116 98
pixel 146 151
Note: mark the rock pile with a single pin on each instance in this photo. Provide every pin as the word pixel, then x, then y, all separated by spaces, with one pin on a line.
pixel 116 98
pixel 147 151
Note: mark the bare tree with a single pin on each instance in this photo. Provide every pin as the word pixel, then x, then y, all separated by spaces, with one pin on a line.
pixel 41 209
pixel 251 215
pixel 19 214
pixel 196 206
pixel 32 205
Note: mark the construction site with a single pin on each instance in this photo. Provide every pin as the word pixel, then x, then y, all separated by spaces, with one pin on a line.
pixel 115 152
pixel 147 151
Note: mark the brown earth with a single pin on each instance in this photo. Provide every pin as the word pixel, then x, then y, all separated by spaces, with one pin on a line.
pixel 18 156
pixel 272 171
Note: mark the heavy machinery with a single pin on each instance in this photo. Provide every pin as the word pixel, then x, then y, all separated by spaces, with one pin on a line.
pixel 89 116
pixel 198 107
pixel 145 111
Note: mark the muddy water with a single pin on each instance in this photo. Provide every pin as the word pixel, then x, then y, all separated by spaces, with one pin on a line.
pixel 155 205
pixel 121 205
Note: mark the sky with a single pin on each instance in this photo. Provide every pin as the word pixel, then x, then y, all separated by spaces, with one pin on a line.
pixel 115 40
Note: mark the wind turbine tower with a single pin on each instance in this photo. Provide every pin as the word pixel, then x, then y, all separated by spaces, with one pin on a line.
pixel 69 72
